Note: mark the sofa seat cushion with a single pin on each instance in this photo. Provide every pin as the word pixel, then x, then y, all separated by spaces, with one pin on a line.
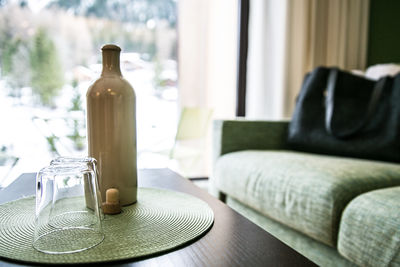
pixel 369 232
pixel 307 192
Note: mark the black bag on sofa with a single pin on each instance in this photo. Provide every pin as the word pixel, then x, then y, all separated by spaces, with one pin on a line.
pixel 339 113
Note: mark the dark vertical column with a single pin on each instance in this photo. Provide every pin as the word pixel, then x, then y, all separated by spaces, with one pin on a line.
pixel 243 39
pixel 383 36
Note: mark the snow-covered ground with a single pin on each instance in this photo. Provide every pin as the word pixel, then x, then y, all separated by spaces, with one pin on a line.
pixel 24 126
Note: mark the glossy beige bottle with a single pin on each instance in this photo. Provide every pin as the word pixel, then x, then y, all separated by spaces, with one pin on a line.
pixel 111 124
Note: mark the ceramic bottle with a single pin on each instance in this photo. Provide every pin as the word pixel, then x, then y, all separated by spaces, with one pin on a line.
pixel 111 125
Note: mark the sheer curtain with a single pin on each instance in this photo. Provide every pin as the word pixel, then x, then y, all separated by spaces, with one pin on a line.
pixel 207 52
pixel 288 38
pixel 207 56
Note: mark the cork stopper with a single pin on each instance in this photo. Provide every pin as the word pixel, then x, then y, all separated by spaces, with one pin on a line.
pixel 112 205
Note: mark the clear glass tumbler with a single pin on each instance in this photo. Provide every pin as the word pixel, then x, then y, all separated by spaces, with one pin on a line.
pixel 68 217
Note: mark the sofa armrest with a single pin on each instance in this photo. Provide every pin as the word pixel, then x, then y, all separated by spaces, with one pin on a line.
pixel 241 134
pixel 235 135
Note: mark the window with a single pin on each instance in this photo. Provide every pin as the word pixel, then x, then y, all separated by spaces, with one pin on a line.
pixel 49 56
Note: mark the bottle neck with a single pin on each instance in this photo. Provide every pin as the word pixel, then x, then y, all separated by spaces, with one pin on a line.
pixel 111 63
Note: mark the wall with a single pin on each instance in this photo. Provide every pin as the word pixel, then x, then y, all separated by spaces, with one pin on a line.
pixel 384 32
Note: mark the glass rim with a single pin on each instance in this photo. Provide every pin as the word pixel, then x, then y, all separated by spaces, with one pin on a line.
pixel 63 159
pixel 65 168
pixel 48 250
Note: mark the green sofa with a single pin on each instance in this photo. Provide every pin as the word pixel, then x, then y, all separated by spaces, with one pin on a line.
pixel 336 211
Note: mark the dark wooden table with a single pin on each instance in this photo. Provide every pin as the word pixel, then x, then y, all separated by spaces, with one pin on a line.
pixel 232 241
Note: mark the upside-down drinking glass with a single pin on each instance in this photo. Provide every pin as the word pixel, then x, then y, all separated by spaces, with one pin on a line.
pixel 68 217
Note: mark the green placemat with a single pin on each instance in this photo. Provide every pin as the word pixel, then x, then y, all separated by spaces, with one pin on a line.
pixel 160 221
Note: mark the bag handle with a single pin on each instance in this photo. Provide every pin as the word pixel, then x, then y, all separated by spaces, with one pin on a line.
pixel 330 105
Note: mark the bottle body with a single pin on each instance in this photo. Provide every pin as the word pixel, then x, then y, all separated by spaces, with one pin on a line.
pixel 111 124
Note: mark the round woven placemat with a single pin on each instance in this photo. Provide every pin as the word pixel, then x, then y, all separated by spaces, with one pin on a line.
pixel 160 221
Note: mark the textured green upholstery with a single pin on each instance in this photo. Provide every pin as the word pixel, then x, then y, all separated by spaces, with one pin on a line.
pixel 370 229
pixel 307 192
pixel 300 197
pixel 235 135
